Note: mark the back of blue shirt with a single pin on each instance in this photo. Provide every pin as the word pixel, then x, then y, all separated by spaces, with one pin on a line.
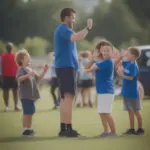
pixel 65 49
pixel 130 87
pixel 104 77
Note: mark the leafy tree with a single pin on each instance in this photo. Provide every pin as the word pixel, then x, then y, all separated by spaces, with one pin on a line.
pixel 36 46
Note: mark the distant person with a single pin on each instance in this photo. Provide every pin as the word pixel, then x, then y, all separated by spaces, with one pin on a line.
pixel 0 71
pixel 131 90
pixel 28 89
pixel 66 64
pixel 9 69
pixel 54 84
pixel 85 81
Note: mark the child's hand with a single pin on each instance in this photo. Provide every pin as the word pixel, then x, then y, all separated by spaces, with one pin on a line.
pixel 46 67
pixel 120 71
pixel 87 70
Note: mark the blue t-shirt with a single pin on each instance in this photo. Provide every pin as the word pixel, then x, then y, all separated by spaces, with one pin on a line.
pixel 104 77
pixel 65 49
pixel 130 87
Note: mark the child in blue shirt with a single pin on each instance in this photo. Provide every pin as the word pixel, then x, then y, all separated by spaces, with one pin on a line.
pixel 104 71
pixel 130 90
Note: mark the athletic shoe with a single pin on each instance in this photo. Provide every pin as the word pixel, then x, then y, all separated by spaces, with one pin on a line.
pixel 130 132
pixel 104 134
pixel 28 133
pixel 32 132
pixel 17 109
pixel 140 131
pixel 112 134
pixel 6 109
pixel 62 134
pixel 74 133
pixel 78 106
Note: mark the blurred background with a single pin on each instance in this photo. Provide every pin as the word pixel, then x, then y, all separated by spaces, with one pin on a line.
pixel 31 23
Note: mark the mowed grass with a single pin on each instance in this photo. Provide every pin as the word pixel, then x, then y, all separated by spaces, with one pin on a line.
pixel 86 121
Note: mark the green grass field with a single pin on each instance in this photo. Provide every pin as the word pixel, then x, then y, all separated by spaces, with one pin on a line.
pixel 46 124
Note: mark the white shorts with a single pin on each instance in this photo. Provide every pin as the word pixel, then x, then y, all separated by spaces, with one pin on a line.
pixel 105 102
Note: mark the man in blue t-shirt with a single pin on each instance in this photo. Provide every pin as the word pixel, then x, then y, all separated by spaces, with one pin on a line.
pixel 66 64
pixel 130 90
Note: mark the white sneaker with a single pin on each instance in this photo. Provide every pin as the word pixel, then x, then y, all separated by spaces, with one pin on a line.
pixel 6 109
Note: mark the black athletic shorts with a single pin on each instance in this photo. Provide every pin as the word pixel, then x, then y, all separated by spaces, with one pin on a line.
pixel 66 80
pixel 85 83
pixel 9 83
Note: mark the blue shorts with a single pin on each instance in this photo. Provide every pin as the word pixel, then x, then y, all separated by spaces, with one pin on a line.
pixel 28 106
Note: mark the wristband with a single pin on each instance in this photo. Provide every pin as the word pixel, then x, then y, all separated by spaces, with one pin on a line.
pixel 87 28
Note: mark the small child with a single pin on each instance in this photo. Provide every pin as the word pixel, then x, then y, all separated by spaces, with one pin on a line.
pixel 28 90
pixel 130 90
pixel 104 71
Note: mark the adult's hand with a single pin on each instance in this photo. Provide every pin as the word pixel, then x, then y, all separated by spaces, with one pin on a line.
pixel 90 23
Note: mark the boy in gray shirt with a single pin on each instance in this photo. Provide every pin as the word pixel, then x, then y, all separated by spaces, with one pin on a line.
pixel 28 90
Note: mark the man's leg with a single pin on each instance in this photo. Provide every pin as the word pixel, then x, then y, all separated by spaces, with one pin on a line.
pixel 66 110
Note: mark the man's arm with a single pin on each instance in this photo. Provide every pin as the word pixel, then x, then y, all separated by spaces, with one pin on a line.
pixel 79 35
pixel 82 34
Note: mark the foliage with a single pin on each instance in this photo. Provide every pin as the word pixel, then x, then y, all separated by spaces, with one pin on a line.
pixel 36 46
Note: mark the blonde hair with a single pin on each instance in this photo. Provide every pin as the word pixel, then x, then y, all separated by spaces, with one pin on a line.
pixel 20 56
pixel 135 51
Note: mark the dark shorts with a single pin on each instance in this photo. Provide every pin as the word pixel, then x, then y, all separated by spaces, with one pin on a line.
pixel 28 106
pixel 9 83
pixel 85 83
pixel 54 82
pixel 66 80
pixel 131 104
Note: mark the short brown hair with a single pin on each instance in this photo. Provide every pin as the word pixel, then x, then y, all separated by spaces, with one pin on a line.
pixel 85 54
pixel 135 51
pixel 103 43
pixel 20 56
pixel 66 12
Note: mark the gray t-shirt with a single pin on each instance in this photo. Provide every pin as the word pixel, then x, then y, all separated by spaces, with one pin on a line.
pixel 28 88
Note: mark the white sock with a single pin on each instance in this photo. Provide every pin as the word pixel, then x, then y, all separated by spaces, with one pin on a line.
pixel 25 129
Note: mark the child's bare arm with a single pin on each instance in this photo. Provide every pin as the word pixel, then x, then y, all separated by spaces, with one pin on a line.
pixel 40 77
pixel 89 64
pixel 24 77
pixel 128 77
pixel 92 68
pixel 141 90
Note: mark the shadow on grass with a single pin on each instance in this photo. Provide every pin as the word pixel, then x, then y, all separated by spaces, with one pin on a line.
pixel 27 139
pixel 38 138
pixel 10 111
pixel 38 111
